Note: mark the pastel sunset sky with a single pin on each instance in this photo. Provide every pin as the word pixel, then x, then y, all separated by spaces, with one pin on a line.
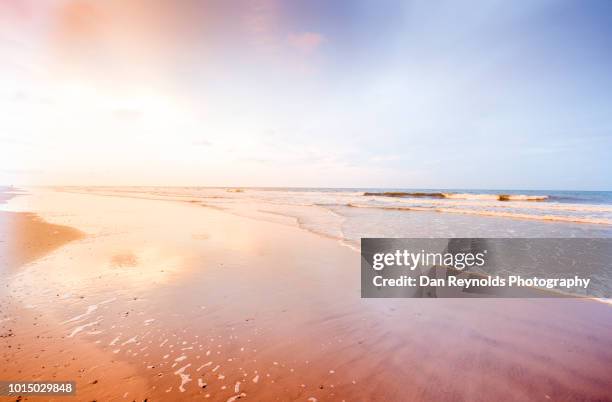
pixel 421 94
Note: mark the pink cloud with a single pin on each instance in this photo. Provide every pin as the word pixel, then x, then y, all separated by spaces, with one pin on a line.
pixel 306 42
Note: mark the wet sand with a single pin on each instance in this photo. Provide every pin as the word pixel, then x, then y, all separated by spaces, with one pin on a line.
pixel 25 238
pixel 169 300
pixel 33 347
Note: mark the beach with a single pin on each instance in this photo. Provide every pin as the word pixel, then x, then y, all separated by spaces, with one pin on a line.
pixel 174 295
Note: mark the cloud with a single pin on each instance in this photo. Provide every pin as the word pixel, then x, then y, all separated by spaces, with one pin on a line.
pixel 127 114
pixel 202 143
pixel 306 42
pixel 262 21
pixel 21 171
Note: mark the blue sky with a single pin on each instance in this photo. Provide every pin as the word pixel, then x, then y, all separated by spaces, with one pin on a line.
pixel 480 94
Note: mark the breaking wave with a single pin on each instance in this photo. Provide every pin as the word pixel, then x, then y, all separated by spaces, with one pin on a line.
pixel 484 212
pixel 461 196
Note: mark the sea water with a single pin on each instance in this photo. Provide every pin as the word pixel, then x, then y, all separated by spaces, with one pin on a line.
pixel 348 214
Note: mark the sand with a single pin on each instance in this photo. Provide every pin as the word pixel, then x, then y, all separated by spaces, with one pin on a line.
pixel 25 238
pixel 169 300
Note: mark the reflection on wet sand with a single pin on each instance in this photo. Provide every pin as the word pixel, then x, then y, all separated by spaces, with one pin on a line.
pixel 172 301
pixel 26 238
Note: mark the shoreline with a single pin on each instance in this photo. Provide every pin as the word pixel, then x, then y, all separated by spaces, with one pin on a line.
pixel 26 237
pixel 33 345
pixel 156 281
pixel 536 221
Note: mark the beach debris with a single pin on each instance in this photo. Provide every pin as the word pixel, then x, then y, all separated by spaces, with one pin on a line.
pixel 8 334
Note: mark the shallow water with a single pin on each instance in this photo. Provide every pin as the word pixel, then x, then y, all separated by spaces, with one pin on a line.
pixel 199 303
pixel 349 215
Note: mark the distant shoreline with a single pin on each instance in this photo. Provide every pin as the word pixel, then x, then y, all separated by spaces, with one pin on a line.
pixel 169 300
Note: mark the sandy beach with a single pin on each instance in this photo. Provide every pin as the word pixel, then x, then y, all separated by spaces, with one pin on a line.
pixel 166 299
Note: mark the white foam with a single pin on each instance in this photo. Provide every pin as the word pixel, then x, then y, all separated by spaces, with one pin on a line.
pixel 185 378
pixel 82 327
pixel 131 340
pixel 90 309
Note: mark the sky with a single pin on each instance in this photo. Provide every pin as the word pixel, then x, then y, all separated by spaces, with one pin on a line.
pixel 313 93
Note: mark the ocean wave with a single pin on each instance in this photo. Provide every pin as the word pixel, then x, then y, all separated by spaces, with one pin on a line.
pixel 404 194
pixel 523 205
pixel 501 214
pixel 461 196
pixel 498 197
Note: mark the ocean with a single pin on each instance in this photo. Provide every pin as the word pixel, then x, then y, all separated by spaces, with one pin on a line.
pixel 348 214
